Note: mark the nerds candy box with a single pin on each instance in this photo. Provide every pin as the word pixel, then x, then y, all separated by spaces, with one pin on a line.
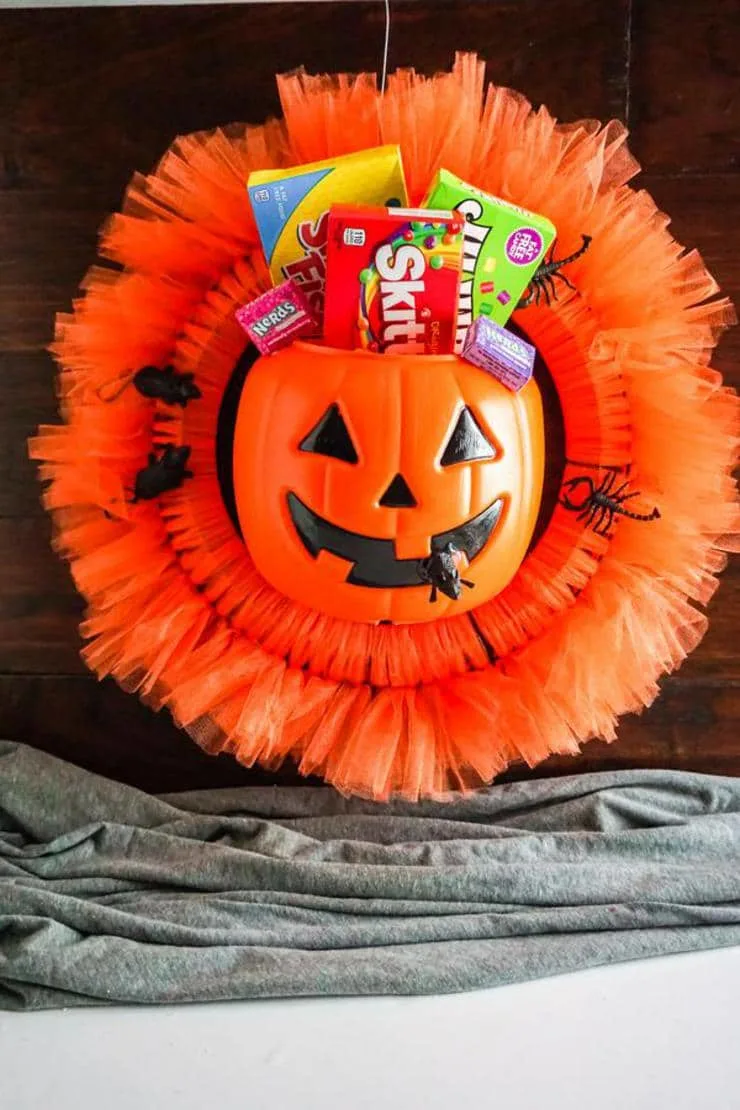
pixel 392 279
pixel 276 318
pixel 291 208
pixel 504 245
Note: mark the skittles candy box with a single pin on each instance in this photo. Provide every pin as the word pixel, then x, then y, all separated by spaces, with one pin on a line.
pixel 392 279
pixel 291 208
pixel 504 245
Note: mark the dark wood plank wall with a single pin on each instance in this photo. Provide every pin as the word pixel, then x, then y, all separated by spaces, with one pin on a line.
pixel 89 96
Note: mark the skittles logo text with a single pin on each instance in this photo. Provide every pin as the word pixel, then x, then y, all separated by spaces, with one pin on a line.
pixel 400 273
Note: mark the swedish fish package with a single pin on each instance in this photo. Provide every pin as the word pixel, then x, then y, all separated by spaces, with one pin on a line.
pixel 291 207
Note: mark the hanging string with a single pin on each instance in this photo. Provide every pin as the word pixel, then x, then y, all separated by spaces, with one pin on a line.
pixel 386 44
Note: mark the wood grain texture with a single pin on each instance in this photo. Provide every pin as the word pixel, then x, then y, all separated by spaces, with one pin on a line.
pixel 685 85
pixel 123 83
pixel 87 97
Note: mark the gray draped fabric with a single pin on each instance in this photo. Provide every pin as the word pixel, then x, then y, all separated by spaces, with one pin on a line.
pixel 108 894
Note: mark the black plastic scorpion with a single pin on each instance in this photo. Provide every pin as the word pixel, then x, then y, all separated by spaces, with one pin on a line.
pixel 440 570
pixel 163 473
pixel 601 503
pixel 543 281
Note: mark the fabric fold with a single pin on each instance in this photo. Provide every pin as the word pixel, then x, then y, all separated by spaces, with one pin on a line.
pixel 108 894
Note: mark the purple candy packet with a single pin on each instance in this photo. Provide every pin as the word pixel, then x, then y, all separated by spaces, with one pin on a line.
pixel 498 351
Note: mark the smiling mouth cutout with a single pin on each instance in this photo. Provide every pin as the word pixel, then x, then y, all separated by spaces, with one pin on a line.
pixel 375 562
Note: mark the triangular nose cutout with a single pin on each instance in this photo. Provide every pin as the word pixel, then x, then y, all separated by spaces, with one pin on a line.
pixel 398 495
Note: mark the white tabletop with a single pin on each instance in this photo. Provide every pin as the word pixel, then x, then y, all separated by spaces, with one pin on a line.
pixel 650 1035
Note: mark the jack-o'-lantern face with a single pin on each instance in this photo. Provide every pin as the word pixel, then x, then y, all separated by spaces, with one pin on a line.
pixel 382 487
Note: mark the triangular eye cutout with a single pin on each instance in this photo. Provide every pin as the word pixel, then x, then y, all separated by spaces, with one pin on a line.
pixel 398 495
pixel 331 437
pixel 467 442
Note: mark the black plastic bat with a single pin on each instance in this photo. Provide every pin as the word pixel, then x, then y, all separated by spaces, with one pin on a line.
pixel 163 473
pixel 440 571
pixel 166 385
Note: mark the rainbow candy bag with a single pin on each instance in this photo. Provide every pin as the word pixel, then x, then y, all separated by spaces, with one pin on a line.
pixel 291 207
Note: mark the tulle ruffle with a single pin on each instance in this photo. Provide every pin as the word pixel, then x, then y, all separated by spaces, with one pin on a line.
pixel 177 610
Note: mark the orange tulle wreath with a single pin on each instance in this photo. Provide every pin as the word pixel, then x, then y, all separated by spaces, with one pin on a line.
pixel 177 610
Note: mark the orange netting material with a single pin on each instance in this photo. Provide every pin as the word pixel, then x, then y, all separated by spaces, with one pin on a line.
pixel 177 610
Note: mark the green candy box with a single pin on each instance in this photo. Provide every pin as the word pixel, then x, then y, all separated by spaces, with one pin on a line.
pixel 504 245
